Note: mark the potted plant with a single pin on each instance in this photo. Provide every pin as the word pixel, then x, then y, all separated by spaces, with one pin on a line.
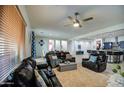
pixel 117 79
pixel 118 70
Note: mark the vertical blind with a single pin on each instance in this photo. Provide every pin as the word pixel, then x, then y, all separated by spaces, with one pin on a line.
pixel 12 37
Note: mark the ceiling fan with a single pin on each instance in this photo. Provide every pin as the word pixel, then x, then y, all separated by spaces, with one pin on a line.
pixel 76 21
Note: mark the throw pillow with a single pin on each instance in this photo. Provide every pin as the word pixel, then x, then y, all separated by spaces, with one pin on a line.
pixel 54 57
pixel 93 58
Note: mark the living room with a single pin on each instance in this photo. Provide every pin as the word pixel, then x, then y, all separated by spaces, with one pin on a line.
pixel 98 33
pixel 66 45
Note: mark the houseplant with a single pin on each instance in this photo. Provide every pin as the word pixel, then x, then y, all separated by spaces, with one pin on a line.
pixel 116 79
pixel 118 70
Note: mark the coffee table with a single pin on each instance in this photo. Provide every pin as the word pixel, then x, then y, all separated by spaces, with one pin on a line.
pixel 67 66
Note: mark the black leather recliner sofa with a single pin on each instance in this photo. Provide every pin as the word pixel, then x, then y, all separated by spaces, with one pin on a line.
pixel 29 75
pixel 99 65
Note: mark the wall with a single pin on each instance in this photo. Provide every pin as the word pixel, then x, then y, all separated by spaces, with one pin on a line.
pixel 28 31
pixel 85 45
pixel 121 38
pixel 71 47
pixel 39 48
pixel 110 39
pixel 45 47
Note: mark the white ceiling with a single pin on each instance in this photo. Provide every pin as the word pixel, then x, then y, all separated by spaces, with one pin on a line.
pixel 49 21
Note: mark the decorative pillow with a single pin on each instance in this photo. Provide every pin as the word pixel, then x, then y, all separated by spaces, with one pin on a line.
pixel 54 57
pixel 93 58
pixel 68 56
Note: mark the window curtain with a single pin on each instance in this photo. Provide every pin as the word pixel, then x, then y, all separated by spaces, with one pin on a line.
pixel 12 39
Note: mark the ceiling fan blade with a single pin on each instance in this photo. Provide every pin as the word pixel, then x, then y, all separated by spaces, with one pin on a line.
pixel 88 19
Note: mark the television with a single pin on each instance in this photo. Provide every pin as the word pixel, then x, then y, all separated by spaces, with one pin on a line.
pixel 121 44
pixel 107 45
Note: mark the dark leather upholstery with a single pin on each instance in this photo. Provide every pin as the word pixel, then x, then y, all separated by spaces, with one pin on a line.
pixel 99 65
pixel 62 55
pixel 24 76
pixel 47 81
pixel 52 62
pixel 49 77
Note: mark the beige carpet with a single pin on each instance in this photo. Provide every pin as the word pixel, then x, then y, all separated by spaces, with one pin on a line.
pixel 82 77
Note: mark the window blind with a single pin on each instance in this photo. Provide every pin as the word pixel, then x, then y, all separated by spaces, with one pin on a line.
pixel 12 37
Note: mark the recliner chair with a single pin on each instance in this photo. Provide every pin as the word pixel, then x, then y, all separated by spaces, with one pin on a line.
pixel 49 77
pixel 100 63
pixel 29 75
pixel 52 59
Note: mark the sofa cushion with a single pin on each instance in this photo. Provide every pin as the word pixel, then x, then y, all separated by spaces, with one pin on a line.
pixel 54 57
pixel 93 58
pixel 68 56
pixel 26 72
pixel 24 75
pixel 39 80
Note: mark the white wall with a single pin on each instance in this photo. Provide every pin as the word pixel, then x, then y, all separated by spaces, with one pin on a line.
pixel 101 31
pixel 71 47
pixel 28 31
pixel 121 38
pixel 85 45
pixel 45 47
pixel 111 39
pixel 40 48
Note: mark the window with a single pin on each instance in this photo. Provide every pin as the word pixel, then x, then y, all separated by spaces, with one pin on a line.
pixel 64 45
pixel 51 45
pixel 57 45
pixel 12 33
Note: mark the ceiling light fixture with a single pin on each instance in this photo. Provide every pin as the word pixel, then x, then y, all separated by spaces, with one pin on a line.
pixel 76 24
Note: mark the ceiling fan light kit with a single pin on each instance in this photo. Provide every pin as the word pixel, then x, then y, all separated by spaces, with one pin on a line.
pixel 76 24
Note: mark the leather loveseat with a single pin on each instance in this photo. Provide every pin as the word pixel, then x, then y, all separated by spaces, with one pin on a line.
pixel 99 64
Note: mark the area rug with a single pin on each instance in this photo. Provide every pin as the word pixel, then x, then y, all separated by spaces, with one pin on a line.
pixel 82 77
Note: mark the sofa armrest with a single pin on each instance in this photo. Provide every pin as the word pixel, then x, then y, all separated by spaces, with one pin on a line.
pixel 42 66
pixel 101 62
pixel 85 59
pixel 73 57
pixel 39 80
